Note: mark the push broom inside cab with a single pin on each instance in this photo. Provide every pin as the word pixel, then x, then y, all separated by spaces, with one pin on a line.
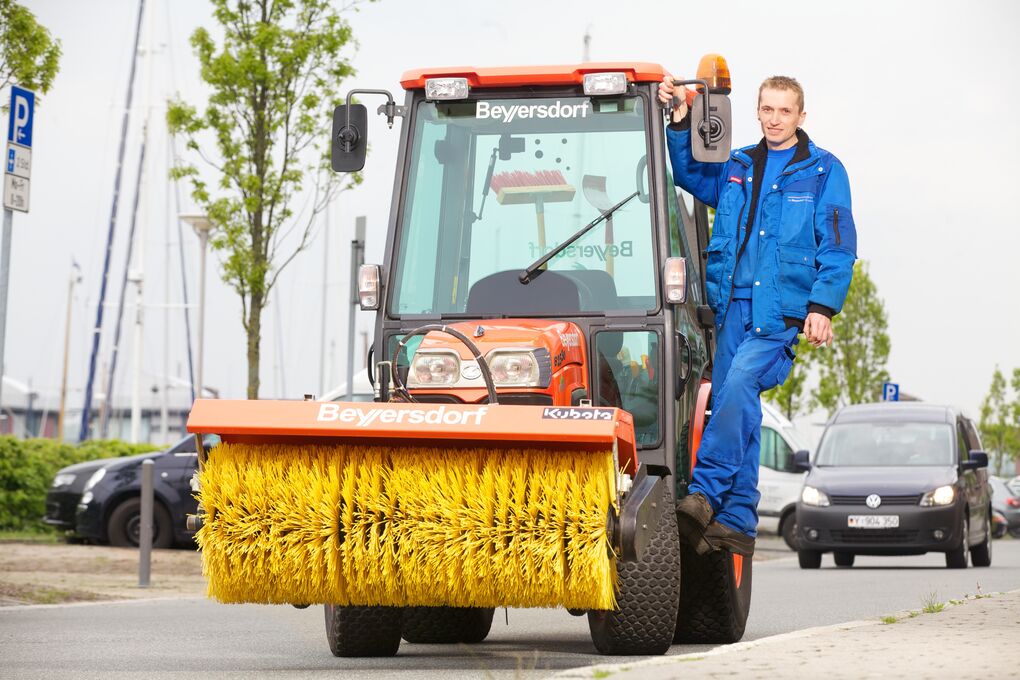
pixel 541 364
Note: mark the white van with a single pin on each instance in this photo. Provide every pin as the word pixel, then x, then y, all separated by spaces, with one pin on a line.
pixel 778 485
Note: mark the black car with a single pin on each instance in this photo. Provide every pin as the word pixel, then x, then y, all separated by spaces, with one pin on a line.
pixel 896 479
pixel 99 501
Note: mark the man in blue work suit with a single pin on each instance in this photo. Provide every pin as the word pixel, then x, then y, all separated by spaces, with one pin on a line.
pixel 780 260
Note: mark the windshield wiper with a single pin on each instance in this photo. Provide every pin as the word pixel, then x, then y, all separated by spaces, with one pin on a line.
pixel 529 273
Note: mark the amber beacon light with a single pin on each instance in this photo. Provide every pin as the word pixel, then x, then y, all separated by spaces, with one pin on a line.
pixel 713 68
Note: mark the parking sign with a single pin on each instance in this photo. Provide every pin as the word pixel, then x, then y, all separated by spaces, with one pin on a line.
pixel 890 392
pixel 19 121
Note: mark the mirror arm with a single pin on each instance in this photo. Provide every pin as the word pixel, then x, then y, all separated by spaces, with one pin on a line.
pixel 348 136
pixel 705 129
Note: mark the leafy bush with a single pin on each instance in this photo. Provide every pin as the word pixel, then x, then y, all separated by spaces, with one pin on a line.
pixel 27 467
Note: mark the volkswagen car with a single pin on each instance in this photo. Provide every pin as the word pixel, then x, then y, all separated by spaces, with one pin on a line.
pixel 896 479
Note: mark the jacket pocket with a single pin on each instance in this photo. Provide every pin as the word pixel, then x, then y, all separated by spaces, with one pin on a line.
pixel 718 253
pixel 797 273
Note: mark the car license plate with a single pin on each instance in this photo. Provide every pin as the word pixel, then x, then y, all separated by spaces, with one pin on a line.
pixel 873 521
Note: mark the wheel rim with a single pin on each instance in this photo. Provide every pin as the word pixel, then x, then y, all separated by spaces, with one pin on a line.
pixel 133 529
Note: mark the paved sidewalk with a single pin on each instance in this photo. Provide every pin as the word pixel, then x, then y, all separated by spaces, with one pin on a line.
pixel 973 638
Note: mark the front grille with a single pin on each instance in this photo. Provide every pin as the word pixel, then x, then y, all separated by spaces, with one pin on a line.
pixel 875 535
pixel 911 499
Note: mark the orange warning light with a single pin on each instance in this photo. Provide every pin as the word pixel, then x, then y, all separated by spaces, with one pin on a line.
pixel 713 68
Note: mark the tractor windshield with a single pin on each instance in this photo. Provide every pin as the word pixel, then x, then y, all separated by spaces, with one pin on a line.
pixel 494 184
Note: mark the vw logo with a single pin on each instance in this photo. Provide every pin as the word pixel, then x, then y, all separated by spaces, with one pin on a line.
pixel 873 501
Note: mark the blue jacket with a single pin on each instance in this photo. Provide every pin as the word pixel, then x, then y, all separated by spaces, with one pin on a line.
pixel 807 241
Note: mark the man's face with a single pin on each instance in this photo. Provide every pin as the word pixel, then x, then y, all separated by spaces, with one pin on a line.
pixel 780 117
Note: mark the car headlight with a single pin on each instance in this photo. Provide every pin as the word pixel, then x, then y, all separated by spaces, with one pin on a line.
pixel 943 495
pixel 96 477
pixel 812 496
pixel 433 368
pixel 86 498
pixel 64 479
pixel 513 369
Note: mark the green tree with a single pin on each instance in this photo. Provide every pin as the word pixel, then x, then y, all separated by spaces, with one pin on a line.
pixel 853 369
pixel 274 77
pixel 1000 420
pixel 29 56
pixel 790 397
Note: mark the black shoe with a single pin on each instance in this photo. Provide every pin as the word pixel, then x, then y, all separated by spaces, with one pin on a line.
pixel 719 536
pixel 693 515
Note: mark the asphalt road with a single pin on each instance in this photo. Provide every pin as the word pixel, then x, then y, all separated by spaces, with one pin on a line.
pixel 196 638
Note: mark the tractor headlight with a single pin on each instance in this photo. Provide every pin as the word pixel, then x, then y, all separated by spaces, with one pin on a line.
pixel 943 495
pixel 429 369
pixel 812 496
pixel 513 369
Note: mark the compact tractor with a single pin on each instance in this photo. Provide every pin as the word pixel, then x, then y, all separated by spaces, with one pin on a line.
pixel 542 368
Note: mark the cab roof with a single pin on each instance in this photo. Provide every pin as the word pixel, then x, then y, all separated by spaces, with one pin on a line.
pixel 510 76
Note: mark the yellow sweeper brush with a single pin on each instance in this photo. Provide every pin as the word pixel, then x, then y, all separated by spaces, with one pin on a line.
pixel 402 504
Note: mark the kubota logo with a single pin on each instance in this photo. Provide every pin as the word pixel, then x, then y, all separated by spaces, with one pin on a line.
pixel 389 416
pixel 508 112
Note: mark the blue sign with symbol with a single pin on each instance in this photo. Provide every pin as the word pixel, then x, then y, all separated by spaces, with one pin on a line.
pixel 10 160
pixel 890 392
pixel 19 122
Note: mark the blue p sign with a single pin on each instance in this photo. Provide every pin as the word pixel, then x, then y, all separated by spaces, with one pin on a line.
pixel 890 392
pixel 19 122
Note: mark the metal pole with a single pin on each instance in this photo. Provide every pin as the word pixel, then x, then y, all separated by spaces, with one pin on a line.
pixel 357 257
pixel 5 274
pixel 325 290
pixel 203 238
pixel 145 526
pixel 67 353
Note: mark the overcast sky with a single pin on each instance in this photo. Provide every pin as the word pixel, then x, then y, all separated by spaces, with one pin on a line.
pixel 918 99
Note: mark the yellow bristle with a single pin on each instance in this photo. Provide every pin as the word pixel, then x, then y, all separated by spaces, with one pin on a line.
pixel 370 525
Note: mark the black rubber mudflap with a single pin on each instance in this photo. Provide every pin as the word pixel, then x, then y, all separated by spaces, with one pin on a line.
pixel 715 598
pixel 363 631
pixel 649 591
pixel 446 625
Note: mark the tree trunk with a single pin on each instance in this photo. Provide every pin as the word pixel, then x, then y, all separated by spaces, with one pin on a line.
pixel 254 328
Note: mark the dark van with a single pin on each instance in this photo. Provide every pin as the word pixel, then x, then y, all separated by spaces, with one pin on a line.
pixel 896 479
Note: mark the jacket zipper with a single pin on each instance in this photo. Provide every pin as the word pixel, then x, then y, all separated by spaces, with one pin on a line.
pixel 835 224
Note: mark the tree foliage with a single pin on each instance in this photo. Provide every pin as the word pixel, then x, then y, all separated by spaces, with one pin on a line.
pixel 1000 419
pixel 853 369
pixel 29 56
pixel 274 70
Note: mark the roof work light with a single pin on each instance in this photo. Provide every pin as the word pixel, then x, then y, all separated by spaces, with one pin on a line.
pixel 446 88
pixel 605 83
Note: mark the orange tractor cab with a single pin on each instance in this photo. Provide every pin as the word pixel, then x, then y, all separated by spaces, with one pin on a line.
pixel 541 288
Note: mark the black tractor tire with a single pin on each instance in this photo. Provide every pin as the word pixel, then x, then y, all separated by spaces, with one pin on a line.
pixel 446 625
pixel 648 594
pixel 715 599
pixel 123 528
pixel 363 631
pixel 843 559
pixel 788 530
pixel 981 554
pixel 809 559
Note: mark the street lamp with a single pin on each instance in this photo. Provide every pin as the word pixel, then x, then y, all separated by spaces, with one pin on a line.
pixel 202 226
pixel 74 279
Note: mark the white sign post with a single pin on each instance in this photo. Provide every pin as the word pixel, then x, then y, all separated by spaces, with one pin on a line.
pixel 17 178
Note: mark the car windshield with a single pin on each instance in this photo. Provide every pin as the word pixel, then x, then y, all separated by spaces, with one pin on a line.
pixel 544 167
pixel 886 444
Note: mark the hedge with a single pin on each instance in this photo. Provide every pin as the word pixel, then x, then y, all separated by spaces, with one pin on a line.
pixel 27 467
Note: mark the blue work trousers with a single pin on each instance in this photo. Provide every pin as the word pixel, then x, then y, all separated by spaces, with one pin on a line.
pixel 746 364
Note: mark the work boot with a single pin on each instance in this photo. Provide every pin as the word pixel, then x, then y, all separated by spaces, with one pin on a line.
pixel 693 514
pixel 719 536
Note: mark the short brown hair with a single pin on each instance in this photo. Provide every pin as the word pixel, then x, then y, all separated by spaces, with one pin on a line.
pixel 783 83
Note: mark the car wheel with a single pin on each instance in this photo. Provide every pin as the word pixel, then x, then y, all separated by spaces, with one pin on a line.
pixel 843 559
pixel 789 530
pixel 809 559
pixel 981 554
pixel 124 527
pixel 1015 532
pixel 957 557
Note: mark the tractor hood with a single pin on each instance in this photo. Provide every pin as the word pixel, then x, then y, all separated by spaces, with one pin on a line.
pixel 521 353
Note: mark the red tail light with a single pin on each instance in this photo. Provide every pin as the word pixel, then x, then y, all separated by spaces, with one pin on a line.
pixel 1013 502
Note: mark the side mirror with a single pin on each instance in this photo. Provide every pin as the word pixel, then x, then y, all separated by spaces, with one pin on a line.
pixel 801 461
pixel 978 460
pixel 711 131
pixel 350 138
